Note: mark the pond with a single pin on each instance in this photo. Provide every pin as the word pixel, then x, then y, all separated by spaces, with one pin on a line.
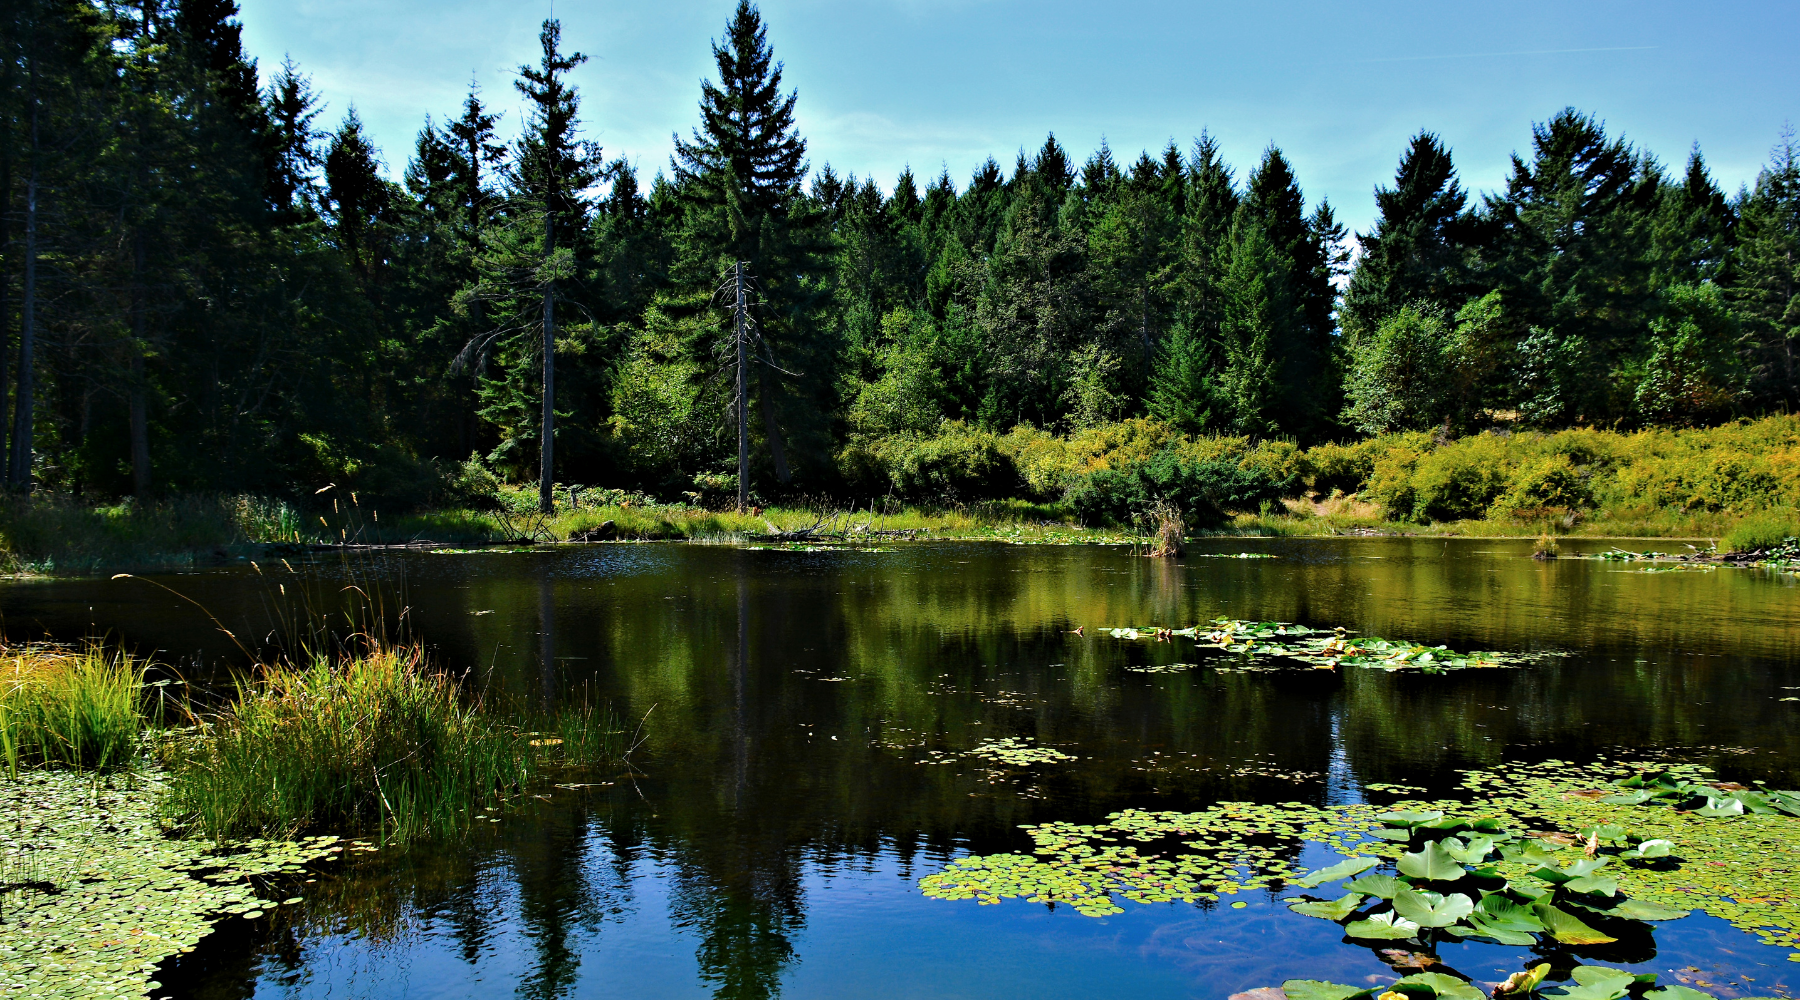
pixel 806 720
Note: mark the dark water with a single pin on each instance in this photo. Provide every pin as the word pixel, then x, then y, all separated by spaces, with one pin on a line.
pixel 772 843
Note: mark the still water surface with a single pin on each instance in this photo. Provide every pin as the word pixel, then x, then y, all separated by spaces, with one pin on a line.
pixel 783 811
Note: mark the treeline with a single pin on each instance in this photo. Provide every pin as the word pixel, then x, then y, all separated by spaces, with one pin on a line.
pixel 202 288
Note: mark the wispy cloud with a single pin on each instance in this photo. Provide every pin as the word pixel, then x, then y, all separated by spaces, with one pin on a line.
pixel 1496 55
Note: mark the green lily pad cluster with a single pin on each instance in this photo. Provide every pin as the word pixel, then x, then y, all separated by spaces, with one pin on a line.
pixel 1712 799
pixel 1591 982
pixel 1472 878
pixel 1152 857
pixel 1018 751
pixel 96 896
pixel 1258 644
pixel 1744 869
pixel 1162 668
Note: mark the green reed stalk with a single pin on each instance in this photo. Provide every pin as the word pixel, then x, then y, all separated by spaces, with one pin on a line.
pixel 71 708
pixel 377 741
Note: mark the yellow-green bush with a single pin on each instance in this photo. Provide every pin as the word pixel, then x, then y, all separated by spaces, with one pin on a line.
pixel 1542 484
pixel 959 462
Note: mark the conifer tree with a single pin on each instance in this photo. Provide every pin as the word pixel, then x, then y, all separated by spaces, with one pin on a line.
pixel 291 108
pixel 1572 226
pixel 741 173
pixel 541 248
pixel 1418 250
pixel 1766 293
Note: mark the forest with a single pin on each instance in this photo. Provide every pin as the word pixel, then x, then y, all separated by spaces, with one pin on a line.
pixel 205 286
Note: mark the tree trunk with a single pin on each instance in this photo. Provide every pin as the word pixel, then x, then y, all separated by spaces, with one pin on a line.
pixel 6 163
pixel 140 426
pixel 743 388
pixel 20 475
pixel 547 443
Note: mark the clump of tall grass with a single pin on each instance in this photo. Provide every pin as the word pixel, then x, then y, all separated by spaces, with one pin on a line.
pixel 377 741
pixel 68 707
pixel 1759 534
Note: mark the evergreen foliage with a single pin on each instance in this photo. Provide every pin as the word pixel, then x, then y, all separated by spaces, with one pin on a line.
pixel 204 286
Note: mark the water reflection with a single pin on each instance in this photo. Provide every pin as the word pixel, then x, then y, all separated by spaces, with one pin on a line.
pixel 794 701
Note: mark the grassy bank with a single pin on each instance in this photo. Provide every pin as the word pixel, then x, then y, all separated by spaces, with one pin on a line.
pixel 1738 481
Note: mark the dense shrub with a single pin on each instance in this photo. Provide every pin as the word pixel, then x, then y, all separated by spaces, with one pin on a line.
pixel 959 462
pixel 1550 482
pixel 1206 492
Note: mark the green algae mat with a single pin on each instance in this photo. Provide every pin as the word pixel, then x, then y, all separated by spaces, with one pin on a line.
pixel 96 895
pixel 1570 845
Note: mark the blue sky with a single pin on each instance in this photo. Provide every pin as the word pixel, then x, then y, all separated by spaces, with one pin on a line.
pixel 945 83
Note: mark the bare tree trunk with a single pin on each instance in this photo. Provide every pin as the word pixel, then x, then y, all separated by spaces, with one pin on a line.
pixel 547 444
pixel 743 389
pixel 140 426
pixel 6 163
pixel 20 475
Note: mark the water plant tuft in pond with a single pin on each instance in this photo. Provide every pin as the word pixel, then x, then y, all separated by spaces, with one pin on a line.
pixel 74 707
pixel 379 741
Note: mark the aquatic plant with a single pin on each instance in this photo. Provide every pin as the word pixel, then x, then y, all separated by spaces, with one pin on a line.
pixel 1591 982
pixel 1744 869
pixel 1704 798
pixel 1261 642
pixel 109 897
pixel 377 741
pixel 72 707
pixel 1489 882
pixel 1760 533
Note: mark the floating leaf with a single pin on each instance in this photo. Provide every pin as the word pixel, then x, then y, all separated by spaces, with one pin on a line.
pixel 1379 886
pixel 1431 863
pixel 1650 849
pixel 1676 991
pixel 1382 927
pixel 1566 927
pixel 1449 987
pixel 1639 909
pixel 1428 909
pixel 1336 909
pixel 1343 869
pixel 1314 989
pixel 1409 819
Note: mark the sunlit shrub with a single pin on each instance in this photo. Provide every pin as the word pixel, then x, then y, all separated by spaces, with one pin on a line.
pixel 1205 493
pixel 959 462
pixel 1548 482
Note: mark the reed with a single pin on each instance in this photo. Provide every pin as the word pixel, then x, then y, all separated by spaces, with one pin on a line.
pixel 379 741
pixel 68 707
